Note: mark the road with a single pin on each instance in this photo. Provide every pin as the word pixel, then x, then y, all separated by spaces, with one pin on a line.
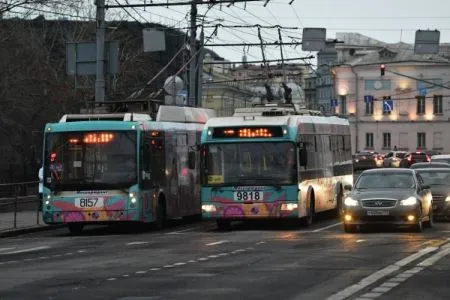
pixel 253 261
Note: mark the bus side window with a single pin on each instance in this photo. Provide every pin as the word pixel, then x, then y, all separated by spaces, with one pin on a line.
pixel 145 164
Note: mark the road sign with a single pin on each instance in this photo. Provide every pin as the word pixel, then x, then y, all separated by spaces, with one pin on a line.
pixel 81 58
pixel 388 105
pixel 427 42
pixel 314 39
pixel 334 102
pixel 368 98
pixel 423 92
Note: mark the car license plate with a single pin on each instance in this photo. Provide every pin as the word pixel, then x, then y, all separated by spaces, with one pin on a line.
pixel 248 196
pixel 378 213
pixel 89 202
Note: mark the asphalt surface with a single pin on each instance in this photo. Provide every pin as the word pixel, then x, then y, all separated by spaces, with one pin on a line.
pixel 252 261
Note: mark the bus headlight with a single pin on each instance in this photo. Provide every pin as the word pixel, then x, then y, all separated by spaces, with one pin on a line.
pixel 447 199
pixel 208 208
pixel 289 206
pixel 132 197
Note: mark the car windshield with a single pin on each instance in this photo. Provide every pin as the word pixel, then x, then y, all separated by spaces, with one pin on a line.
pixel 382 180
pixel 435 177
pixel 242 163
pixel 442 160
pixel 98 159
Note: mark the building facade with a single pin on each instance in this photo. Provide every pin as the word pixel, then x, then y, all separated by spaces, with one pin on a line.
pixel 406 109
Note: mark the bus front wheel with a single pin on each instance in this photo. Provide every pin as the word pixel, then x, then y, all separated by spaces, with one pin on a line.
pixel 308 220
pixel 75 228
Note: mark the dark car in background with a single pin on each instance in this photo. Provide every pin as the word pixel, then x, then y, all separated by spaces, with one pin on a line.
pixel 365 160
pixel 427 165
pixel 414 157
pixel 388 196
pixel 439 182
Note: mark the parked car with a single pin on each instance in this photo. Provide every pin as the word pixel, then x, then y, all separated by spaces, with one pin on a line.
pixel 439 182
pixel 412 158
pixel 392 159
pixel 426 165
pixel 388 196
pixel 364 160
pixel 441 158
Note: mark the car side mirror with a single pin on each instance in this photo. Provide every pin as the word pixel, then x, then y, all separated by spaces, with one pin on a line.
pixel 348 187
pixel 191 160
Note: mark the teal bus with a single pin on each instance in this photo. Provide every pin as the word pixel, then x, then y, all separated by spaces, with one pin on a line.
pixel 274 161
pixel 122 167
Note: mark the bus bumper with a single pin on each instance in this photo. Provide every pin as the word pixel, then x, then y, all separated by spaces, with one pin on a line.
pixel 95 216
pixel 240 211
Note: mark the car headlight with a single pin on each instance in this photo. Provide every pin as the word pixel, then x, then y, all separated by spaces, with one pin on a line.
pixel 409 201
pixel 350 202
pixel 447 199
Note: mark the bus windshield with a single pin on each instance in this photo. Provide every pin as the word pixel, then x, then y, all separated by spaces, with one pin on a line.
pixel 251 163
pixel 90 160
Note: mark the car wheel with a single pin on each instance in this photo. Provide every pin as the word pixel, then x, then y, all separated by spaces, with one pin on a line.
pixel 349 228
pixel 429 223
pixel 419 226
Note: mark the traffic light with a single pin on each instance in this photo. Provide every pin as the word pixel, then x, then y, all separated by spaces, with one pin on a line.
pixel 382 70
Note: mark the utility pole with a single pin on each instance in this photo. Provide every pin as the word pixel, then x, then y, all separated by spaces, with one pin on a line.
pixel 282 56
pixel 100 74
pixel 201 55
pixel 266 66
pixel 192 66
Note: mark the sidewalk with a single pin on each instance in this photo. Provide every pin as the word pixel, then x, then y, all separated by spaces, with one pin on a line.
pixel 25 220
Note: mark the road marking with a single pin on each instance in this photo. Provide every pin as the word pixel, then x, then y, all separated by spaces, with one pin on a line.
pixel 371 279
pixel 260 243
pixel 136 243
pixel 155 269
pixel 183 231
pixel 111 279
pixel 360 241
pixel 213 256
pixel 141 272
pixel 192 261
pixel 27 250
pixel 217 243
pixel 179 264
pixel 6 249
pixel 327 227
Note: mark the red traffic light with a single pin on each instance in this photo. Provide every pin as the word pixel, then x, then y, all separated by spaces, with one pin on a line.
pixel 382 70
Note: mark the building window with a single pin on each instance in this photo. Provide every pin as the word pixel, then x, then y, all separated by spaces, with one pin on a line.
pixel 437 141
pixel 420 105
pixel 421 140
pixel 369 108
pixel 371 85
pixel 369 140
pixel 437 104
pixel 343 103
pixel 386 140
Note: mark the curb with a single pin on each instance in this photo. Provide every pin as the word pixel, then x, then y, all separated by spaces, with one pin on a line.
pixel 25 230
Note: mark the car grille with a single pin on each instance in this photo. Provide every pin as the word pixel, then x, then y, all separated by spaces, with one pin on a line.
pixel 379 203
pixel 438 198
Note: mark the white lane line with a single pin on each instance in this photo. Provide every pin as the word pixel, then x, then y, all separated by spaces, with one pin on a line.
pixel 141 272
pixel 327 227
pixel 27 250
pixel 126 275
pixel 202 259
pixel 371 295
pixel 82 251
pixel 168 266
pixel 217 243
pixel 360 241
pixel 433 259
pixel 213 256
pixel 155 269
pixel 183 231
pixel 371 279
pixel 260 243
pixel 111 279
pixel 179 264
pixel 192 261
pixel 136 243
pixel 6 249
pixel 223 254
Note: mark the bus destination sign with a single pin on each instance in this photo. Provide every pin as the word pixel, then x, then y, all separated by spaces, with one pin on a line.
pixel 248 132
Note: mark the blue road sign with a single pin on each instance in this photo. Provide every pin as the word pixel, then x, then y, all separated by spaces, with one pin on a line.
pixel 334 102
pixel 388 105
pixel 423 91
pixel 368 98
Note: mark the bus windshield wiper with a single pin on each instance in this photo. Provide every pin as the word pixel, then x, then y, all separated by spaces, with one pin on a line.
pixel 261 181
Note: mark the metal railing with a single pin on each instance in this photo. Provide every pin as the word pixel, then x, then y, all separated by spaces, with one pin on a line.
pixel 19 205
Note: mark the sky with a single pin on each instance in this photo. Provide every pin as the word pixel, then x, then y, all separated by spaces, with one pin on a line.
pixel 385 20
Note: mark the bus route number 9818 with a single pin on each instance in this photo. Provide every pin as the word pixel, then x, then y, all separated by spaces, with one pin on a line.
pixel 248 196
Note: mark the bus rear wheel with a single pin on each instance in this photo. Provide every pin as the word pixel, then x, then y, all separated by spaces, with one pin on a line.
pixel 223 224
pixel 75 228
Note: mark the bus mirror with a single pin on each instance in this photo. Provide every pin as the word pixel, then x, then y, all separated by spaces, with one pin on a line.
pixel 303 157
pixel 191 160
